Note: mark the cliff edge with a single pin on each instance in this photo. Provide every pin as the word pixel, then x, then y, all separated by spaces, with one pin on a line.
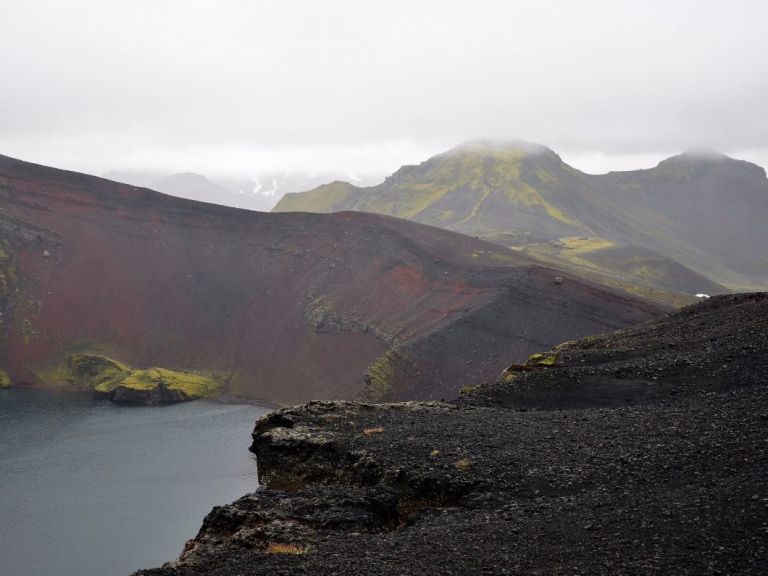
pixel 507 480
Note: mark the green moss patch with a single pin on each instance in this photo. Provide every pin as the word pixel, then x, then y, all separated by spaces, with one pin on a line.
pixel 114 380
pixel 513 371
pixel 541 359
pixel 508 376
pixel 87 372
pixel 379 378
pixel 189 385
pixel 384 373
pixel 325 198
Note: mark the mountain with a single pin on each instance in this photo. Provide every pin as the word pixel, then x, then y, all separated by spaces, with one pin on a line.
pixel 477 188
pixel 278 307
pixel 234 192
pixel 192 186
pixel 699 211
pixel 705 208
pixel 637 452
pixel 332 197
pixel 259 192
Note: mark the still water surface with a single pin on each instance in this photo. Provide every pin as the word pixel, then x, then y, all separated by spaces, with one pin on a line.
pixel 91 488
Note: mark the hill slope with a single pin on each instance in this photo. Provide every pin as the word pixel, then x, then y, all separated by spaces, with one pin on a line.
pixel 611 481
pixel 476 188
pixel 698 210
pixel 282 307
pixel 705 207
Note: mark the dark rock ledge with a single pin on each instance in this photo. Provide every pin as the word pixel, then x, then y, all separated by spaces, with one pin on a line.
pixel 508 480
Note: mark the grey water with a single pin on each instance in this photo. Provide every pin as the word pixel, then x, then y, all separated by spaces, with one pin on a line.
pixel 91 488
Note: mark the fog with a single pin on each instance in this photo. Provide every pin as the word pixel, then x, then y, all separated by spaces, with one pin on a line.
pixel 244 87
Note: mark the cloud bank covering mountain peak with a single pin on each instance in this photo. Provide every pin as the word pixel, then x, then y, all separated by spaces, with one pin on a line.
pixel 366 87
pixel 702 209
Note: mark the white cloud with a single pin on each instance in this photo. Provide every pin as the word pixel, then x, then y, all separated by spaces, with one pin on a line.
pixel 363 86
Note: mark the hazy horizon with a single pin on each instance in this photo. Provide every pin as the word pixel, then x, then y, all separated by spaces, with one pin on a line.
pixel 243 88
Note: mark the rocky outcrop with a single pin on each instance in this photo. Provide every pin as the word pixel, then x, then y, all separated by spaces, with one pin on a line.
pixel 663 484
pixel 88 372
pixel 158 386
pixel 109 379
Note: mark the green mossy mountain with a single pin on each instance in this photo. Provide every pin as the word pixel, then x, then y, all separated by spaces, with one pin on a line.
pixel 469 189
pixel 632 268
pixel 323 199
pixel 692 224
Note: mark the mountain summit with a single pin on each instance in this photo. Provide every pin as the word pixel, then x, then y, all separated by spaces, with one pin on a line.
pixel 476 188
pixel 700 211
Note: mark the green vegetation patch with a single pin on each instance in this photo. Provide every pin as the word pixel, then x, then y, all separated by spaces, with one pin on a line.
pixel 325 198
pixel 379 377
pixel 539 359
pixel 114 380
pixel 7 273
pixel 322 316
pixel 86 372
pixel 189 384
pixel 584 244
pixel 513 372
pixel 384 373
pixel 509 376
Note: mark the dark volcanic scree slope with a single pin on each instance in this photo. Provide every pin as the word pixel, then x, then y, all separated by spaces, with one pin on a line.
pixel 647 453
pixel 282 307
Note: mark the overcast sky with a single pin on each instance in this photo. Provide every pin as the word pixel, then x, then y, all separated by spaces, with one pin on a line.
pixel 253 86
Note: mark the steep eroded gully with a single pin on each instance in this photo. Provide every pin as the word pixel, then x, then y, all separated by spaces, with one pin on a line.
pixel 670 481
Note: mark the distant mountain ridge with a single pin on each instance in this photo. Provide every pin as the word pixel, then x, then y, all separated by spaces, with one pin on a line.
pixel 702 209
pixel 460 189
pixel 258 192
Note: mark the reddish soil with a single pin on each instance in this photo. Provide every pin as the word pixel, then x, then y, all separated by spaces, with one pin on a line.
pixel 289 307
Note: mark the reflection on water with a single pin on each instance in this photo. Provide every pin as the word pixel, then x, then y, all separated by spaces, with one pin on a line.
pixel 91 488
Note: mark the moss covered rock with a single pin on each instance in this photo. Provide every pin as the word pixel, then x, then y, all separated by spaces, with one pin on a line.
pixel 162 386
pixel 86 372
pixel 92 371
pixel 110 379
pixel 538 359
pixel 383 374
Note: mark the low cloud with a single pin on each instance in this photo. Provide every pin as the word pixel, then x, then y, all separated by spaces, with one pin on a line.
pixel 366 86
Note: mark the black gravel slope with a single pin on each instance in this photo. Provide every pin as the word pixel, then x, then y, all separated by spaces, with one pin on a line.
pixel 667 483
pixel 716 345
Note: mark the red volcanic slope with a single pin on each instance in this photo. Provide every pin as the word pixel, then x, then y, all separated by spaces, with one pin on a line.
pixel 287 307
